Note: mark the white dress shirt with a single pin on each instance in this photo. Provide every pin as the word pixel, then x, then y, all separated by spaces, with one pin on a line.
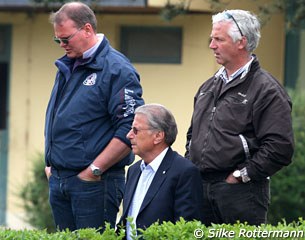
pixel 146 177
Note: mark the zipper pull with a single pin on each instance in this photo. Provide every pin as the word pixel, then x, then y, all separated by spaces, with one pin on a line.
pixel 213 112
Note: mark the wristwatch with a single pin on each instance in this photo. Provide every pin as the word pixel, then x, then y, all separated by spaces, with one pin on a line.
pixel 96 171
pixel 243 174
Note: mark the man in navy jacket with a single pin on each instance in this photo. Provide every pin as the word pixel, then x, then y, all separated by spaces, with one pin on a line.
pixel 163 186
pixel 90 112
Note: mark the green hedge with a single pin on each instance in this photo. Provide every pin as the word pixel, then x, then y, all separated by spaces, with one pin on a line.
pixel 167 230
pixel 287 193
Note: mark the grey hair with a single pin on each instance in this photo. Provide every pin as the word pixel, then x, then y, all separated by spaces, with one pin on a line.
pixel 247 22
pixel 78 12
pixel 160 118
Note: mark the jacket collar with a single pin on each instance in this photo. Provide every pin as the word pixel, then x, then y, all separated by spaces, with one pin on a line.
pixel 159 178
pixel 242 72
pixel 96 61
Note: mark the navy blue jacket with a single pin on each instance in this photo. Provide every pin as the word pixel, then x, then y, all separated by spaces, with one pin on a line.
pixel 176 191
pixel 96 104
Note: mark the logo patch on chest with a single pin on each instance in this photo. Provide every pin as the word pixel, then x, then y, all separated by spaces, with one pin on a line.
pixel 245 101
pixel 90 80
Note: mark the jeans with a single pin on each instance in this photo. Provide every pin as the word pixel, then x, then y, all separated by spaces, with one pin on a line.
pixel 79 204
pixel 229 203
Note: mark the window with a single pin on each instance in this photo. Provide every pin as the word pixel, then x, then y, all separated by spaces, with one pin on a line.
pixel 152 44
pixel 4 70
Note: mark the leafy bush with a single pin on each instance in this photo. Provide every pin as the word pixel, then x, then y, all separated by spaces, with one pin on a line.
pixel 35 196
pixel 82 234
pixel 287 191
pixel 167 230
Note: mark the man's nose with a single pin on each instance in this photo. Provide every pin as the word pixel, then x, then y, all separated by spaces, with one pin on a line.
pixel 129 134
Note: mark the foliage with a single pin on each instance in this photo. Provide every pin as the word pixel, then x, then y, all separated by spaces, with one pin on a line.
pixel 175 8
pixel 171 11
pixel 81 234
pixel 35 194
pixel 287 192
pixel 167 230
pixel 295 11
pixel 265 11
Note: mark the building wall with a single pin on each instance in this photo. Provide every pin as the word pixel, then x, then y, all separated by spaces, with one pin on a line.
pixel 33 70
pixel 301 78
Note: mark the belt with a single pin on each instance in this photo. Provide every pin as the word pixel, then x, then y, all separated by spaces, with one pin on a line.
pixel 65 173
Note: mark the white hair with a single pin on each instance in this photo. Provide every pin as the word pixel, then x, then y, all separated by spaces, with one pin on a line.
pixel 245 24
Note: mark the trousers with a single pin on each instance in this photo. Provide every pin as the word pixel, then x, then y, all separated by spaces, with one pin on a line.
pixel 79 204
pixel 229 203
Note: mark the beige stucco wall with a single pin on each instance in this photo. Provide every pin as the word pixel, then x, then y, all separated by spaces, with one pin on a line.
pixel 174 85
pixel 30 82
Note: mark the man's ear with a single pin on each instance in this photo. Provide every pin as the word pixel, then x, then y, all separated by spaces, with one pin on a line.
pixel 243 42
pixel 159 137
pixel 88 29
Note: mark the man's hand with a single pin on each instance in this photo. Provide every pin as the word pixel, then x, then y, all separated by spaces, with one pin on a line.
pixel 47 170
pixel 87 175
pixel 233 180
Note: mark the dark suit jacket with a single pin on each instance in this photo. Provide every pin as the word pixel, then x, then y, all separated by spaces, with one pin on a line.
pixel 175 191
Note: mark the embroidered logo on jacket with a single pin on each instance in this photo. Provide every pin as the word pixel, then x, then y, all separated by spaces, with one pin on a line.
pixel 90 80
pixel 245 101
pixel 130 102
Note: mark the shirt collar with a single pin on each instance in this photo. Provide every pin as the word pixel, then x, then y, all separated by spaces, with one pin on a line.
pixel 155 164
pixel 222 73
pixel 92 50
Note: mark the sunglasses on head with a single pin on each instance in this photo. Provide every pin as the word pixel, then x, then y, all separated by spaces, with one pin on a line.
pixel 229 15
pixel 65 40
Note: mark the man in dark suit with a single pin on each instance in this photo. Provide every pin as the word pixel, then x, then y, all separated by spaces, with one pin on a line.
pixel 163 186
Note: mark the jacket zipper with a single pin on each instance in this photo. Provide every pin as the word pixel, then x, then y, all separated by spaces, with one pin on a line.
pixel 213 113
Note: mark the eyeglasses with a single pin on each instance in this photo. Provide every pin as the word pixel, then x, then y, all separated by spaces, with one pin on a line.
pixel 66 40
pixel 228 15
pixel 135 130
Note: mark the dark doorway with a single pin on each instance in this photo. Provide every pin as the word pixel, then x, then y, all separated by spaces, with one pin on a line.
pixel 5 46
